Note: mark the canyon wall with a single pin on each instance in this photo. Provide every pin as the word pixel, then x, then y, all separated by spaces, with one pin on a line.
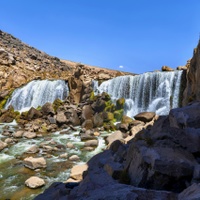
pixel 192 90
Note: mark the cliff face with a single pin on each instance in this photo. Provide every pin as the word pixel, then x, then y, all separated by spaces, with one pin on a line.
pixel 192 90
pixel 21 63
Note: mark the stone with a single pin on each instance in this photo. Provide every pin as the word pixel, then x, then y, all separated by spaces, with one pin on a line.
pixel 166 68
pixel 33 114
pixel 47 109
pixel 87 112
pixel 34 182
pixel 33 149
pixel 18 134
pixel 29 135
pixel 64 155
pixel 126 120
pixel 51 120
pixel 61 118
pixel 6 58
pixel 74 158
pixel 9 141
pixel 145 116
pixel 98 120
pixel 3 145
pixel 35 163
pixel 70 145
pixel 117 135
pixel 74 119
pixel 159 167
pixel 87 124
pixel 77 171
pixel 91 143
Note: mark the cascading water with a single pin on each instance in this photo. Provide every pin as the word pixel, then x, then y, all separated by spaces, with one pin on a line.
pixel 37 93
pixel 152 91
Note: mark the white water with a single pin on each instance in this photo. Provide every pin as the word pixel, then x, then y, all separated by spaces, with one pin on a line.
pixel 152 91
pixel 37 93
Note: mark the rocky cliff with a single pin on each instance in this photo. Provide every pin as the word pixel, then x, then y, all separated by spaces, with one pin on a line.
pixel 192 91
pixel 21 63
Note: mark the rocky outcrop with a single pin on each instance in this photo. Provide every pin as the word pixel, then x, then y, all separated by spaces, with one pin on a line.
pixel 192 91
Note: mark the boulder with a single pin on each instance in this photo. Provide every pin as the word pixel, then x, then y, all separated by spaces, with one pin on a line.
pixel 34 182
pixel 74 158
pixel 87 112
pixel 33 114
pixel 6 58
pixel 159 167
pixel 145 116
pixel 47 109
pixel 91 143
pixel 35 163
pixel 29 135
pixel 77 171
pixel 33 149
pixel 126 120
pixel 74 119
pixel 3 145
pixel 61 118
pixel 188 116
pixel 87 124
pixel 18 134
pixel 117 135
pixel 98 120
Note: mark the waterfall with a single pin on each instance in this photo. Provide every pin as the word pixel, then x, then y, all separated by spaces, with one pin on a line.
pixel 37 93
pixel 153 91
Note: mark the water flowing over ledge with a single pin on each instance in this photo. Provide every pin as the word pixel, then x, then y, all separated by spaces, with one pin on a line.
pixel 152 91
pixel 37 93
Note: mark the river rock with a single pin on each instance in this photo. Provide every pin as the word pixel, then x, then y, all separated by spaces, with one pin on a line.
pixel 91 143
pixel 3 145
pixel 34 163
pixel 33 149
pixel 64 155
pixel 29 135
pixel 74 158
pixel 9 141
pixel 98 120
pixel 70 145
pixel 145 116
pixel 77 171
pixel 34 182
pixel 18 134
pixel 61 118
pixel 117 135
pixel 87 124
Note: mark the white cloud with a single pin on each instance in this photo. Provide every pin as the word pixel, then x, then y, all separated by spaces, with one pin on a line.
pixel 121 67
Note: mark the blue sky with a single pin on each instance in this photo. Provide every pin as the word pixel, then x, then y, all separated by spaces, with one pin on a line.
pixel 138 36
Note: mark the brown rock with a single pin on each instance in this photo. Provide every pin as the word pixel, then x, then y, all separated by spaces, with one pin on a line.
pixel 29 135
pixel 145 116
pixel 3 145
pixel 34 182
pixel 166 68
pixel 34 163
pixel 47 109
pixel 77 171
